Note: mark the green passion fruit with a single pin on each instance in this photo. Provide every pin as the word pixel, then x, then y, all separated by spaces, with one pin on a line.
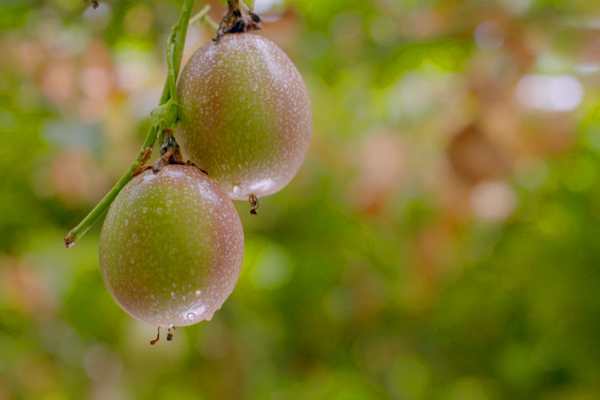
pixel 245 115
pixel 171 247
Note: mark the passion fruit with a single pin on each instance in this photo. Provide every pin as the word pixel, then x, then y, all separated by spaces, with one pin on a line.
pixel 171 247
pixel 245 115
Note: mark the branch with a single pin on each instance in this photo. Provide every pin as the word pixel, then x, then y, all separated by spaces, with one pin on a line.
pixel 164 117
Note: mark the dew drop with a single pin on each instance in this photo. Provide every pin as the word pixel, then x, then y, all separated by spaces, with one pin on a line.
pixel 190 315
pixel 195 312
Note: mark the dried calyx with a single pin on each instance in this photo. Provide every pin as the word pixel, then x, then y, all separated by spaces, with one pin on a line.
pixel 239 19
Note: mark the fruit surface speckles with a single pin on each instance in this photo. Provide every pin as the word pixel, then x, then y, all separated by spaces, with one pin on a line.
pixel 246 115
pixel 171 247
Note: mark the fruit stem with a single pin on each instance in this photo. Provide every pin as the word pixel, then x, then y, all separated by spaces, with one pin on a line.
pixel 165 117
pixel 239 19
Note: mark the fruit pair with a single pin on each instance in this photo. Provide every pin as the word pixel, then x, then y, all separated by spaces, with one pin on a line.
pixel 172 243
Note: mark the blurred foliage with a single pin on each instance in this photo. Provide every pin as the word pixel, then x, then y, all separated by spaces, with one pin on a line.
pixel 439 243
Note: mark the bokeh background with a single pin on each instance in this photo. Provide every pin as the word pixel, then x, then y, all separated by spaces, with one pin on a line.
pixel 442 240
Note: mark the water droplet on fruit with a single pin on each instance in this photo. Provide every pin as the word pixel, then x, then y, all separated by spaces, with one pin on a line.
pixel 190 316
pixel 197 312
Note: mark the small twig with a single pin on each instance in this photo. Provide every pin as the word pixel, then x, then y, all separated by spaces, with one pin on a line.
pixel 192 164
pixel 145 157
pixel 202 16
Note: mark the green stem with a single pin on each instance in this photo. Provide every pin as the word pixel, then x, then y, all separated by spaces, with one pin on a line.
pixel 203 16
pixel 161 120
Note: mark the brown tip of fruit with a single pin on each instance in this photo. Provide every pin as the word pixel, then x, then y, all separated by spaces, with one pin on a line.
pixel 157 338
pixel 253 200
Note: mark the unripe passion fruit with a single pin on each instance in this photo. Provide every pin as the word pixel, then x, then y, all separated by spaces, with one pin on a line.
pixel 246 115
pixel 171 247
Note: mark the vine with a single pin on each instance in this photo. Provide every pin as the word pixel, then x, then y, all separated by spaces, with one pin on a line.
pixel 164 118
pixel 239 18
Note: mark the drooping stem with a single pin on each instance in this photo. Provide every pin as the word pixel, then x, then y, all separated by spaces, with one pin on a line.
pixel 165 116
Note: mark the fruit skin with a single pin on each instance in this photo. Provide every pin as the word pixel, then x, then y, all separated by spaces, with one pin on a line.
pixel 171 247
pixel 246 115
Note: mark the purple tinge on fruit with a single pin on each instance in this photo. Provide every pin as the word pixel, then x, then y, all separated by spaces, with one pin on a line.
pixel 246 116
pixel 171 247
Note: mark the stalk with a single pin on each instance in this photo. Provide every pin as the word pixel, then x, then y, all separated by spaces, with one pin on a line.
pixel 164 117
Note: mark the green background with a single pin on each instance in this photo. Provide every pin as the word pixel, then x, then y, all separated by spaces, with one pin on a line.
pixel 441 241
